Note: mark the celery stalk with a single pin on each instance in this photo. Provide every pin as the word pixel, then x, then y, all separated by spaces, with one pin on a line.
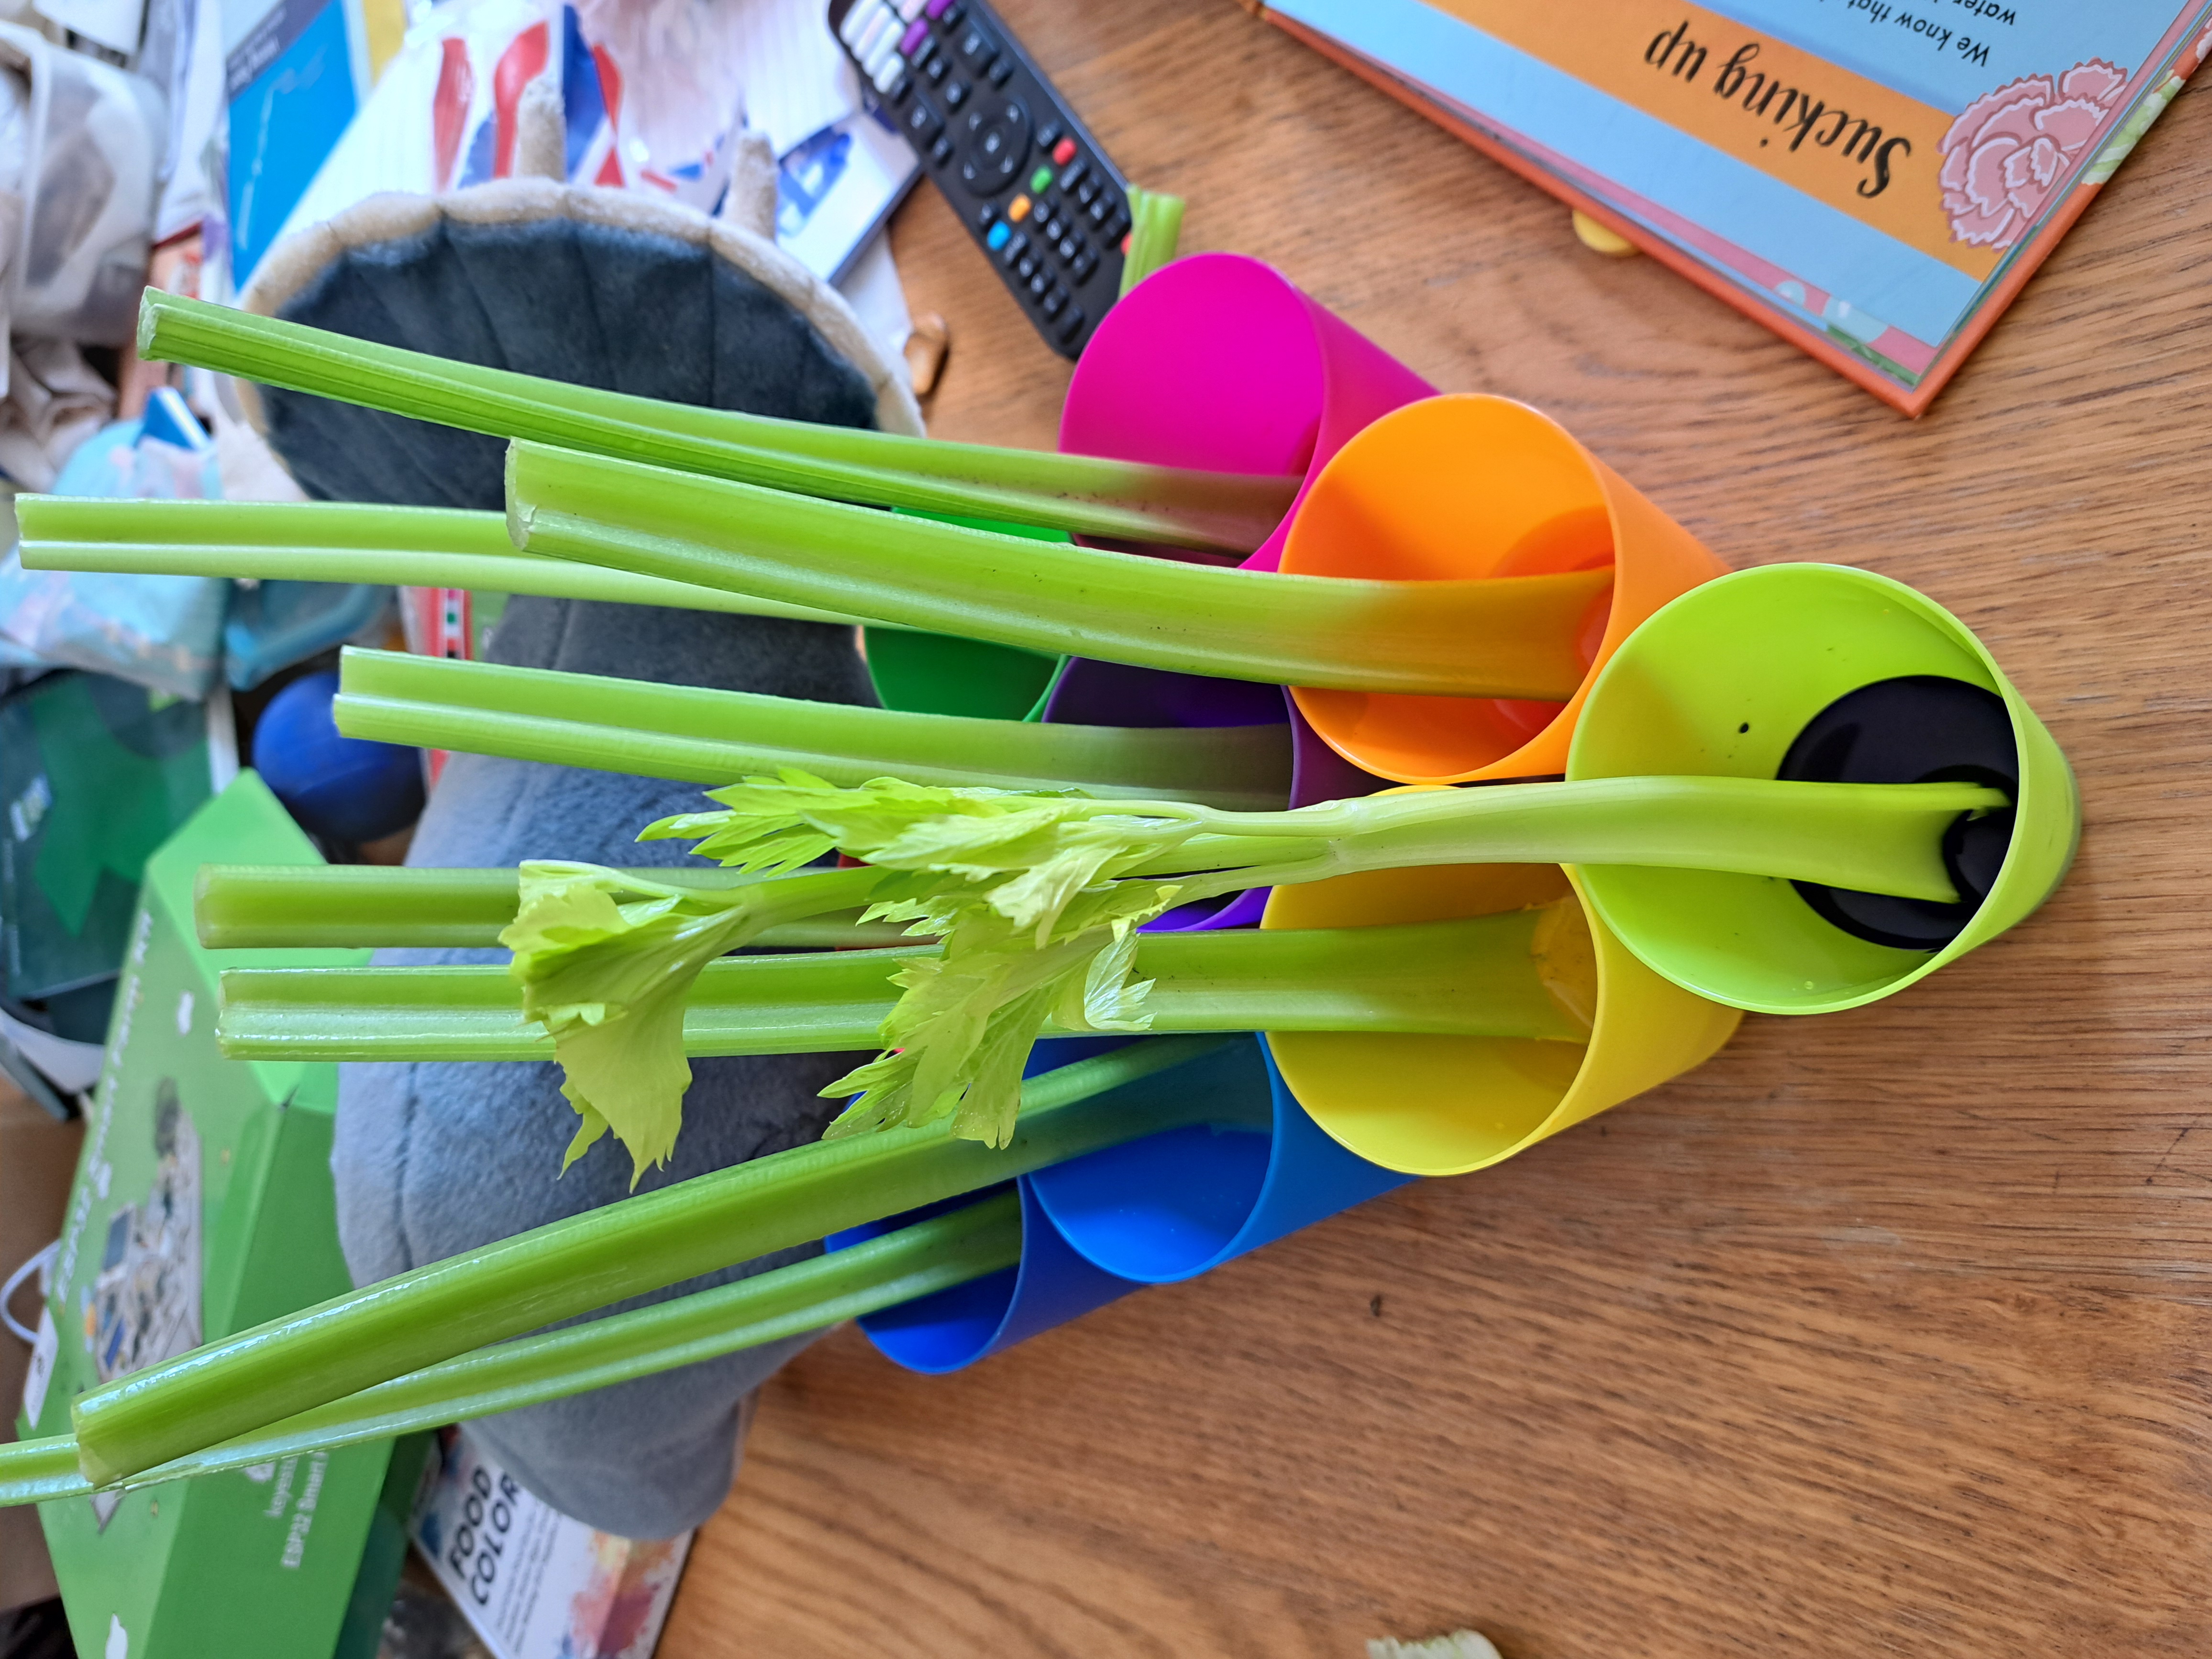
pixel 341 542
pixel 1081 493
pixel 1155 227
pixel 367 906
pixel 712 737
pixel 898 1266
pixel 352 1342
pixel 1475 977
pixel 1511 637
pixel 1869 837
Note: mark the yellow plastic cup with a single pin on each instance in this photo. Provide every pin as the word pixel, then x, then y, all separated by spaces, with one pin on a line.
pixel 1472 486
pixel 1443 1105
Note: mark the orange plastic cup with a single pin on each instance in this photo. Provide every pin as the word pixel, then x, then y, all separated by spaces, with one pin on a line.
pixel 1470 486
pixel 1443 1105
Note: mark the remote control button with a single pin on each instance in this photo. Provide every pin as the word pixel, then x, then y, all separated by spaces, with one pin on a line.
pixel 857 20
pixel 882 27
pixel 1015 246
pixel 997 143
pixel 1081 266
pixel 1000 235
pixel 886 51
pixel 1086 191
pixel 1072 176
pixel 1117 227
pixel 940 152
pixel 1041 179
pixel 1001 70
pixel 1072 324
pixel 1018 209
pixel 976 47
pixel 1070 246
pixel 1124 249
pixel 1055 301
pixel 1102 206
pixel 956 93
pixel 1053 230
pixel 892 74
pixel 1063 151
pixel 988 214
pixel 1025 267
pixel 902 84
pixel 1048 135
pixel 922 124
pixel 937 7
pixel 909 10
pixel 936 66
pixel 916 33
pixel 1040 284
pixel 950 16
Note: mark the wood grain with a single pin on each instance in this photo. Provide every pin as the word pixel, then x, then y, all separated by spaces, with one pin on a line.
pixel 1885 1332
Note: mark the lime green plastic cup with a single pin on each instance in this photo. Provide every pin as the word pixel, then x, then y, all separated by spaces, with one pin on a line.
pixel 1720 682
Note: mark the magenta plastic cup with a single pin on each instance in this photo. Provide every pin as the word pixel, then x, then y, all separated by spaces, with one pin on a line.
pixel 1219 361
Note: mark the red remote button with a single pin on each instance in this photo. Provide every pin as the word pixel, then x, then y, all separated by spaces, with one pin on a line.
pixel 1063 152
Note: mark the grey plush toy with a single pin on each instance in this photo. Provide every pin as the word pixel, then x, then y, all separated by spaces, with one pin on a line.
pixel 595 286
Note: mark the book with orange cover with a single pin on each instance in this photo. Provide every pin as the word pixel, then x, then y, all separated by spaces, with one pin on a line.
pixel 1872 180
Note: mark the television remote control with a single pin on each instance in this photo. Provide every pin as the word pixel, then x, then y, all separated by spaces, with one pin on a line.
pixel 1031 183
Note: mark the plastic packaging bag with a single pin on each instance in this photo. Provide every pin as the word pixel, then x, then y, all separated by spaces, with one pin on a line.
pixel 83 141
pixel 162 632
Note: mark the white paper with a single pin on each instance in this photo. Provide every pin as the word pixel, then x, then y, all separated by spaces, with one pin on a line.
pixel 795 73
pixel 871 285
pixel 835 189
pixel 72 1067
pixel 41 1370
pixel 114 24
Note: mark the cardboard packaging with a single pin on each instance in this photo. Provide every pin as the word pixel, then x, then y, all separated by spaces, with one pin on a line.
pixel 203 1205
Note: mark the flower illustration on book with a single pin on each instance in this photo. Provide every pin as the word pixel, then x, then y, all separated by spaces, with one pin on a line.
pixel 2009 148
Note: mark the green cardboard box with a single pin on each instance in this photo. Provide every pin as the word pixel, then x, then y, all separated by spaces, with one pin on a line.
pixel 203 1205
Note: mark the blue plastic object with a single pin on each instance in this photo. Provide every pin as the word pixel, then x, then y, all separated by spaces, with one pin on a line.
pixel 1172 1206
pixel 1153 1212
pixel 274 624
pixel 954 1328
pixel 1051 1283
pixel 338 787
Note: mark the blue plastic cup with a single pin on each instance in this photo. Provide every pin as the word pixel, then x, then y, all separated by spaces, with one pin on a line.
pixel 1175 1205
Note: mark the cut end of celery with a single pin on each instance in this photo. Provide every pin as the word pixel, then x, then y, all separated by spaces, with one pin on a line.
pixel 519 512
pixel 149 322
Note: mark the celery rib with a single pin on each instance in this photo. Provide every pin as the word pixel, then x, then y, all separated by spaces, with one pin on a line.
pixel 1464 978
pixel 342 542
pixel 321 1354
pixel 1083 494
pixel 710 737
pixel 1511 637
pixel 898 1266
pixel 366 906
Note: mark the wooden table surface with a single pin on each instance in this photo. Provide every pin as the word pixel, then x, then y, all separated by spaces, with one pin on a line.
pixel 1885 1333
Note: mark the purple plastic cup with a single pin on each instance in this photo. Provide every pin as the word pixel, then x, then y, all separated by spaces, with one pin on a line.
pixel 1219 361
pixel 1094 693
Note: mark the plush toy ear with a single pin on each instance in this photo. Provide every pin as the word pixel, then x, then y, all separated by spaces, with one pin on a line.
pixel 600 287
